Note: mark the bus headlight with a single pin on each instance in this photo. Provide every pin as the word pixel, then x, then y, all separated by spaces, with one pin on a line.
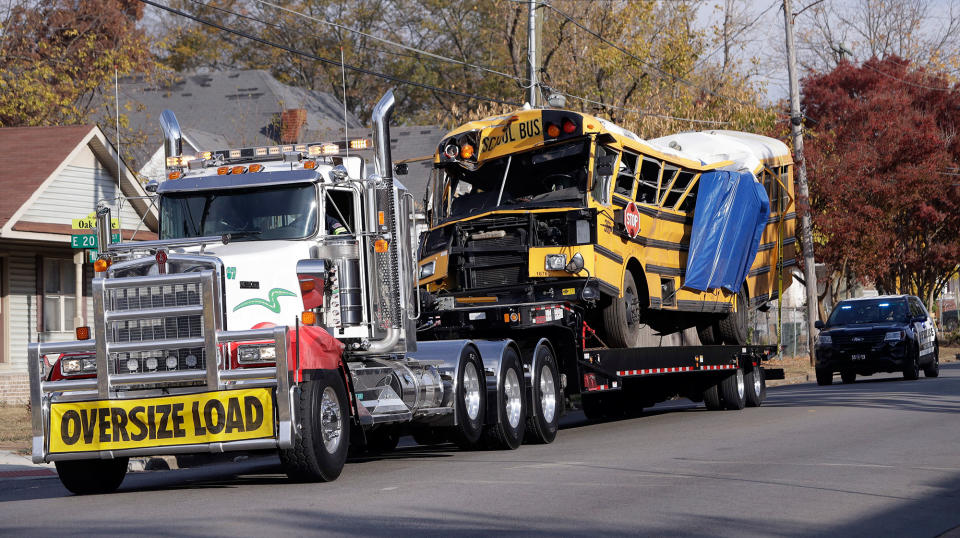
pixel 427 269
pixel 555 262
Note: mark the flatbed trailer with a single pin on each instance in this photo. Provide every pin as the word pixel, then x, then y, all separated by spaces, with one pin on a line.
pixel 607 382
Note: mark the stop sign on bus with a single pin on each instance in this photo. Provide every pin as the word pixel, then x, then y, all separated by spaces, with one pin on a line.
pixel 631 220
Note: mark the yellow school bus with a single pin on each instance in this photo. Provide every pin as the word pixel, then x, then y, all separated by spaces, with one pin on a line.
pixel 549 205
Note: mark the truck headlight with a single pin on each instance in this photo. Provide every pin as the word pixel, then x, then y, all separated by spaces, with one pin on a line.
pixel 257 353
pixel 893 336
pixel 555 262
pixel 824 340
pixel 78 365
pixel 427 269
pixel 70 366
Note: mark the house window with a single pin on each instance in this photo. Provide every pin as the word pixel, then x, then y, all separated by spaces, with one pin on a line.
pixel 59 294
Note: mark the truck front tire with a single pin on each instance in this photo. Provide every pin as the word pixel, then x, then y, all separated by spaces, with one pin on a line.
pixel 319 452
pixel 90 477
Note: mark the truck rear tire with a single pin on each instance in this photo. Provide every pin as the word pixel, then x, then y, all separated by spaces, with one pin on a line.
pixel 511 407
pixel 320 450
pixel 756 382
pixel 733 326
pixel 711 398
pixel 544 414
pixel 471 401
pixel 733 391
pixel 91 477
pixel 621 319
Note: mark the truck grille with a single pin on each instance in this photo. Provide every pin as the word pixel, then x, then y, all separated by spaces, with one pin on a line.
pixel 155 328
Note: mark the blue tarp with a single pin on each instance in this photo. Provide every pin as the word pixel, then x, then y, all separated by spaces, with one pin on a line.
pixel 732 210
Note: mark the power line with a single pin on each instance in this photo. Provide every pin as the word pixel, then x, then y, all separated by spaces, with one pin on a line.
pixel 325 60
pixel 908 83
pixel 658 71
pixel 639 111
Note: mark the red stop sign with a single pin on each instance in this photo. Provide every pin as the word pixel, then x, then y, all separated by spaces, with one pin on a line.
pixel 631 220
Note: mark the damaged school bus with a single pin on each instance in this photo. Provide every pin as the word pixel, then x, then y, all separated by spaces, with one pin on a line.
pixel 687 230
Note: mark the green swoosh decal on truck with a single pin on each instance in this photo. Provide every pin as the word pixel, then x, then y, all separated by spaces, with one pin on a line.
pixel 271 303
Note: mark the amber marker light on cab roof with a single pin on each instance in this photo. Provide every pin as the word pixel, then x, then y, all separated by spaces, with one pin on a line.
pixel 223 170
pixel 174 175
pixel 101 265
pixel 238 170
pixel 83 333
pixel 255 167
pixel 309 165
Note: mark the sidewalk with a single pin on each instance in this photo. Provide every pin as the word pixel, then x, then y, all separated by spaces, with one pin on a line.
pixel 18 466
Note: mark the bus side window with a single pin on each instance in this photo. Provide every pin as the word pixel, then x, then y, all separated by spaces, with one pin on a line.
pixel 603 168
pixel 669 173
pixel 649 179
pixel 679 187
pixel 689 202
pixel 626 174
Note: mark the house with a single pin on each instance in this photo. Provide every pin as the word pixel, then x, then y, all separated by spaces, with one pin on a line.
pixel 50 176
pixel 244 108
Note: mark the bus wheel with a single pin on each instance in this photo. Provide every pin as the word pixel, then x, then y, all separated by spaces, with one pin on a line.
pixel 87 477
pixel 733 390
pixel 471 401
pixel 507 433
pixel 709 333
pixel 621 319
pixel 544 415
pixel 733 326
pixel 320 450
pixel 756 382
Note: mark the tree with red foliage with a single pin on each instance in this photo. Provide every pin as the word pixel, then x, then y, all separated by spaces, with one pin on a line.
pixel 885 206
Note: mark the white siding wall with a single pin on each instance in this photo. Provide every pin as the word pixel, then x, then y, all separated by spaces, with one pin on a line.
pixel 22 315
pixel 75 193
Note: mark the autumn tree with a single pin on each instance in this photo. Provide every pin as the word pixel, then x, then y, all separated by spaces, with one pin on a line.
pixel 55 57
pixel 885 206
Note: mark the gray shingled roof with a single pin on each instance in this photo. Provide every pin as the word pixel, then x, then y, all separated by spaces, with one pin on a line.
pixel 217 110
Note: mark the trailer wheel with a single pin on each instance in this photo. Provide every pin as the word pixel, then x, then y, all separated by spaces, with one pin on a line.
pixel 756 381
pixel 733 391
pixel 733 326
pixel 711 398
pixel 544 416
pixel 621 319
pixel 320 451
pixel 471 401
pixel 507 433
pixel 90 477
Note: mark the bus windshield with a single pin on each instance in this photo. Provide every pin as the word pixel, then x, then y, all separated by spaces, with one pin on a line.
pixel 253 214
pixel 551 176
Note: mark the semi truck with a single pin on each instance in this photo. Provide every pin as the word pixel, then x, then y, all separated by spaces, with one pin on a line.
pixel 280 310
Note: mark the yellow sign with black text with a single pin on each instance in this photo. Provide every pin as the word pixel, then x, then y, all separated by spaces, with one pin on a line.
pixel 524 133
pixel 208 417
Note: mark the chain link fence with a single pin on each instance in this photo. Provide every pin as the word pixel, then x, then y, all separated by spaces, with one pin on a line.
pixel 763 329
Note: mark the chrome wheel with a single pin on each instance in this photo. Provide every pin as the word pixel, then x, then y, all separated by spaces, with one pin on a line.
pixel 471 391
pixel 741 388
pixel 757 387
pixel 511 402
pixel 331 425
pixel 548 394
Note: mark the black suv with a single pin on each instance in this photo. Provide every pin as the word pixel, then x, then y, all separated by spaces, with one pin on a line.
pixel 891 333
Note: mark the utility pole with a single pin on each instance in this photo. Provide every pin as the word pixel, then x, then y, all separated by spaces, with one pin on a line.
pixel 803 201
pixel 532 40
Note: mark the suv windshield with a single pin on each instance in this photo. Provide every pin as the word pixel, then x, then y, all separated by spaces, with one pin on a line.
pixel 253 214
pixel 544 176
pixel 869 311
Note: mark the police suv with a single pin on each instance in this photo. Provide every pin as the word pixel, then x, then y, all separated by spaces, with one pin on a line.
pixel 891 333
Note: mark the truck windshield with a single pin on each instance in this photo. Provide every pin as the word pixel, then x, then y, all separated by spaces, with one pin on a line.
pixel 253 214
pixel 869 311
pixel 551 176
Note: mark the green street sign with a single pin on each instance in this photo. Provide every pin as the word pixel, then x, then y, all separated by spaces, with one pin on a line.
pixel 89 240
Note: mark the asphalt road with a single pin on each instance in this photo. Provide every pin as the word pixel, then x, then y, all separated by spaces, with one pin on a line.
pixel 877 458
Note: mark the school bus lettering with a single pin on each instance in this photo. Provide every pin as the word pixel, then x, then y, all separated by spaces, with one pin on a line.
pixel 515 132
pixel 197 418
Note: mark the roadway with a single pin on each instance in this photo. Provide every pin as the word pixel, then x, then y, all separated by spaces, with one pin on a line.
pixel 877 458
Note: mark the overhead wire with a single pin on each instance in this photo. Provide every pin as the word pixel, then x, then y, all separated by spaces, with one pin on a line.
pixel 321 59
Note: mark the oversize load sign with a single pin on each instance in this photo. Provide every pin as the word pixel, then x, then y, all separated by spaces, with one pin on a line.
pixel 172 420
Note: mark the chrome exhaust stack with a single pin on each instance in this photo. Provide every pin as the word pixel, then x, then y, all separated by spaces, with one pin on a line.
pixel 172 135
